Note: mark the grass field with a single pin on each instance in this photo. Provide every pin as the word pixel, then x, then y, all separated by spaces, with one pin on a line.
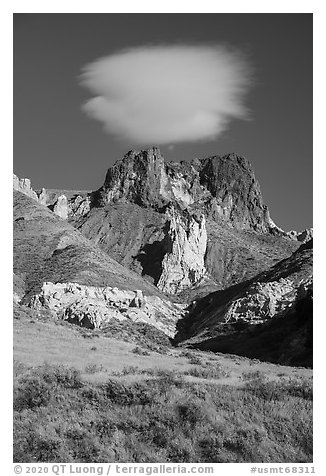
pixel 83 397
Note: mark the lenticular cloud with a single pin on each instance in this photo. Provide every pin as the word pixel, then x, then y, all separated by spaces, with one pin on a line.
pixel 167 94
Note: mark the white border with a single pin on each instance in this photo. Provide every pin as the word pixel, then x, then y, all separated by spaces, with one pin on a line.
pixel 139 6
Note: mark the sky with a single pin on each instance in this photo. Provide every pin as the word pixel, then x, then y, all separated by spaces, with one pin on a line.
pixel 85 93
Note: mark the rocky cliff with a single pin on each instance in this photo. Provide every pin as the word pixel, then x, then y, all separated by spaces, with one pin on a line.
pixel 224 187
pixel 235 195
pixel 128 217
pixel 145 179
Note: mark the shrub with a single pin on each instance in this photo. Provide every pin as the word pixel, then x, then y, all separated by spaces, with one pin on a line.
pixel 138 350
pixel 60 375
pixel 31 392
pixel 190 413
pixel 257 376
pixel 194 360
pixel 214 372
pixel 94 368
pixel 128 370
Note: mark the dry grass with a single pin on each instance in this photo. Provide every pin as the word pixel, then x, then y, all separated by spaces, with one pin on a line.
pixel 64 344
pixel 60 418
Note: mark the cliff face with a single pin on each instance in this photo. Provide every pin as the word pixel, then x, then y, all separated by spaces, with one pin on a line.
pixel 235 194
pixel 227 236
pixel 225 188
pixel 145 179
pixel 185 245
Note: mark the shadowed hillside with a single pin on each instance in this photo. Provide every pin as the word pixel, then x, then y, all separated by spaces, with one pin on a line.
pixel 268 317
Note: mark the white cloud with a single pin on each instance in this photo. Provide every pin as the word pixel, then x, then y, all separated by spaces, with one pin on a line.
pixel 167 94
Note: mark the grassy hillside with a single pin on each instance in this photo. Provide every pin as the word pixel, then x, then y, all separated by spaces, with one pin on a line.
pixel 83 396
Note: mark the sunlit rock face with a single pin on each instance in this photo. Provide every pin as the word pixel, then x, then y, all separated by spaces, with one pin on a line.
pixel 79 206
pixel 262 301
pixel 185 244
pixel 23 185
pixel 60 207
pixel 145 179
pixel 93 307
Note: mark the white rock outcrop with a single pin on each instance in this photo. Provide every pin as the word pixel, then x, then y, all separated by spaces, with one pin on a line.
pixel 186 241
pixel 263 301
pixel 92 307
pixel 24 186
pixel 60 207
pixel 42 197
pixel 302 236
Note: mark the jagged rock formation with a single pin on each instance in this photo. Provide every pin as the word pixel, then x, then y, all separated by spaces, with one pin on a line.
pixel 60 207
pixel 225 187
pixel 235 192
pixel 144 178
pixel 62 204
pixel 24 186
pixel 185 245
pixel 302 236
pixel 214 322
pixel 93 307
pixel 79 206
pixel 127 217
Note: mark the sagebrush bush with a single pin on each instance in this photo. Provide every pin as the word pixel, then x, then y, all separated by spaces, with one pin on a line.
pixel 94 368
pixel 211 372
pixel 139 351
pixel 280 390
pixel 255 375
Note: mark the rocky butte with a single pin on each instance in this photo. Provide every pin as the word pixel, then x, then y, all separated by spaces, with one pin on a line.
pixel 216 199
pixel 197 233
